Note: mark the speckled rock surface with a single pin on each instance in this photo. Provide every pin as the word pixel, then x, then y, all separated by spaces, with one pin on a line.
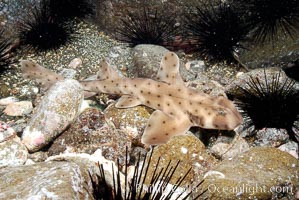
pixel 229 150
pixel 49 180
pixel 258 73
pixel 290 147
pixel 8 100
pixel 6 132
pixel 120 56
pixel 252 174
pixel 56 111
pixel 12 152
pixel 271 137
pixel 89 133
pixel 190 151
pixel 133 120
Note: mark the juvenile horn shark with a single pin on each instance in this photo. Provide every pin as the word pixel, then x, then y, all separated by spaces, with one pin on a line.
pixel 177 108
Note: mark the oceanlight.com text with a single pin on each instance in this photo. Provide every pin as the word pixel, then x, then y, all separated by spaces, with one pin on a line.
pixel 249 189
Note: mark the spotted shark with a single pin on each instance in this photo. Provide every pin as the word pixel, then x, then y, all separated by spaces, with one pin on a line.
pixel 177 107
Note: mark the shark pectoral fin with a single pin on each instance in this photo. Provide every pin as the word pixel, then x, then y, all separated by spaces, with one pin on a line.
pixel 106 71
pixel 127 101
pixel 161 128
pixel 88 94
pixel 33 71
pixel 169 69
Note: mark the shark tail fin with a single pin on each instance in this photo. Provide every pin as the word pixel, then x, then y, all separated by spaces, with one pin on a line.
pixel 43 76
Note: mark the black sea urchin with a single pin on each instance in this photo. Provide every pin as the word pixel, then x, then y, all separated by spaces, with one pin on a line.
pixel 41 31
pixel 136 189
pixel 215 31
pixel 268 17
pixel 5 54
pixel 147 26
pixel 270 103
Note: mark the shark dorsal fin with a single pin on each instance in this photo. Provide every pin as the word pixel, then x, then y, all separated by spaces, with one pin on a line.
pixel 169 69
pixel 33 71
pixel 106 71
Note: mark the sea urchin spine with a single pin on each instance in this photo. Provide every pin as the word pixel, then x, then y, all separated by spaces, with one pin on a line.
pixel 5 53
pixel 270 103
pixel 42 31
pixel 215 31
pixel 136 188
pixel 147 26
pixel 268 17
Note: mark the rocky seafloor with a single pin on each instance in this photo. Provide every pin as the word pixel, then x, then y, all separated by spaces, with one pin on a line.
pixel 83 133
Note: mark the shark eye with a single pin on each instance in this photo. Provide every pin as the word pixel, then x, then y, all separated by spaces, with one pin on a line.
pixel 221 112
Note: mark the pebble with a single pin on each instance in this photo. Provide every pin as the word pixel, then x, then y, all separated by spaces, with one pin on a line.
pixel 12 152
pixel 6 131
pixel 198 64
pixel 8 100
pixel 75 63
pixel 271 137
pixel 20 108
pixel 227 151
pixel 27 90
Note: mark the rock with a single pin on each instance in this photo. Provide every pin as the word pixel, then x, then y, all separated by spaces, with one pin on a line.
pixel 6 132
pixel 8 100
pixel 19 125
pixel 196 65
pixel 120 56
pixel 92 162
pixel 4 89
pixel 47 180
pixel 18 108
pixel 12 152
pixel 68 73
pixel 146 60
pixel 252 175
pixel 187 149
pixel 227 151
pixel 58 108
pixel 290 147
pixel 271 137
pixel 75 63
pixel 89 133
pixel 133 120
pixel 242 79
